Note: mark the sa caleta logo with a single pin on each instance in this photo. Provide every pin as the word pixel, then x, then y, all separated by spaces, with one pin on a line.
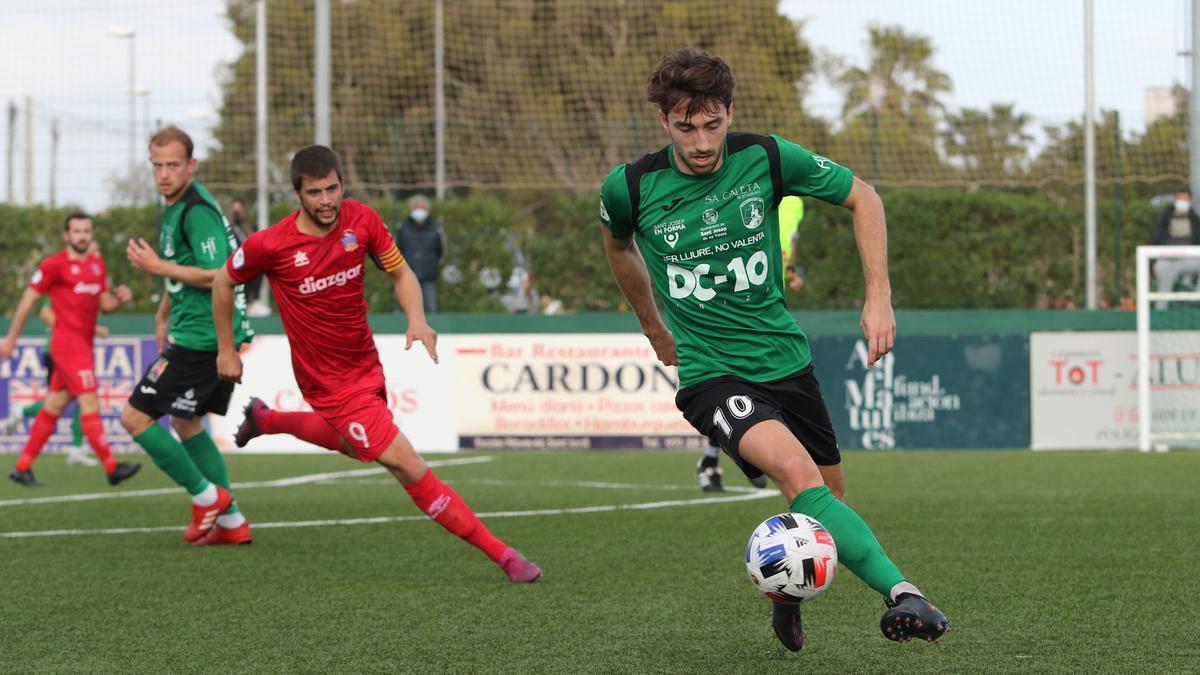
pixel 349 241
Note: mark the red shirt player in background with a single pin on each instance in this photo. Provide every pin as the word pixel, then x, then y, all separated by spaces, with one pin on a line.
pixel 77 284
pixel 314 260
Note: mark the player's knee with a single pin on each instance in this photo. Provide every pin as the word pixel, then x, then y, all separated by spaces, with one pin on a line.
pixel 186 427
pixel 88 404
pixel 135 421
pixel 798 472
pixel 56 402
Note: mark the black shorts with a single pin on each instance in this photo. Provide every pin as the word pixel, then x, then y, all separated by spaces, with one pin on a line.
pixel 182 382
pixel 725 407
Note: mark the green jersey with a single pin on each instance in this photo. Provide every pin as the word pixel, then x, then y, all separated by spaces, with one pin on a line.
pixel 711 245
pixel 194 233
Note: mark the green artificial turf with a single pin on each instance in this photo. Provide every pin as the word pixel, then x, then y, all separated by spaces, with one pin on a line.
pixel 1066 562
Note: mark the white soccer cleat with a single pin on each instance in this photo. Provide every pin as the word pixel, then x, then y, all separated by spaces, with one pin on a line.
pixel 79 455
pixel 12 424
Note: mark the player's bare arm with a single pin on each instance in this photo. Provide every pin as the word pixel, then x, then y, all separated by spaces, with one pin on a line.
pixel 408 294
pixel 629 270
pixel 870 232
pixel 28 299
pixel 46 314
pixel 111 300
pixel 162 321
pixel 229 363
pixel 143 256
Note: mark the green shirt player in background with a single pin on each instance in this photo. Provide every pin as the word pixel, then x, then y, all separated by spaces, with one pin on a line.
pixel 194 242
pixel 697 222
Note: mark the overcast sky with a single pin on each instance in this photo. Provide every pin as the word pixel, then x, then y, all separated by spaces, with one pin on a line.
pixel 1027 52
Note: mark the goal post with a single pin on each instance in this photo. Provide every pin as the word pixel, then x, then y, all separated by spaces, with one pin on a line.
pixel 1168 347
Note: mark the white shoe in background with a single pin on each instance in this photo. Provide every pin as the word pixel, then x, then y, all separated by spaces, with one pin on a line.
pixel 77 454
pixel 12 425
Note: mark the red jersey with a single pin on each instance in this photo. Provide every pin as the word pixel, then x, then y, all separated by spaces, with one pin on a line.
pixel 318 286
pixel 74 287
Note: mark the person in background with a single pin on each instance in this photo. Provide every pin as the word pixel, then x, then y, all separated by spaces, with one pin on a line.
pixel 194 241
pixel 1177 226
pixel 334 356
pixel 422 242
pixel 76 452
pixel 77 282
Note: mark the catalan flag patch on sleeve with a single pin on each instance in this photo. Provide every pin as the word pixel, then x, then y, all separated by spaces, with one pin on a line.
pixel 389 259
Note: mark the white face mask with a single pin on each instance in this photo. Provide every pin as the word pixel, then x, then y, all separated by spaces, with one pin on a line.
pixel 1182 205
pixel 419 215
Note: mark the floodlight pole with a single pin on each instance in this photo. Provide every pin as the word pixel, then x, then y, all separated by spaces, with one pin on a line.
pixel 260 113
pixel 262 205
pixel 1089 149
pixel 1194 108
pixel 28 151
pixel 321 97
pixel 439 99
pixel 54 162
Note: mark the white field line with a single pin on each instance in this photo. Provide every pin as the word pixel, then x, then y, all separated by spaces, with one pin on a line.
pixel 606 508
pixel 282 482
pixel 599 485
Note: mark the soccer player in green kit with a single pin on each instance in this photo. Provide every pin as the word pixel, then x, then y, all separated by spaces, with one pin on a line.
pixel 697 222
pixel 194 242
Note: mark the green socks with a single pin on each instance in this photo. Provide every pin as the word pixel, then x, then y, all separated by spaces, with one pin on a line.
pixel 172 458
pixel 76 430
pixel 207 457
pixel 857 547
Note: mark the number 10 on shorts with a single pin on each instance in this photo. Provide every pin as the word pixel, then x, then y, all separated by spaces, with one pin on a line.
pixel 739 406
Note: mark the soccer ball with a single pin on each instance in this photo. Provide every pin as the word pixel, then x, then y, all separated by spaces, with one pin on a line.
pixel 791 557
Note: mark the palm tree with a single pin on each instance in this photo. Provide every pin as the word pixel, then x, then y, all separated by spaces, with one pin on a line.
pixel 990 142
pixel 899 81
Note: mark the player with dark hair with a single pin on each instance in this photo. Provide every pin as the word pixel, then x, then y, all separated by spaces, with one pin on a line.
pixel 697 222
pixel 76 452
pixel 77 283
pixel 194 240
pixel 314 260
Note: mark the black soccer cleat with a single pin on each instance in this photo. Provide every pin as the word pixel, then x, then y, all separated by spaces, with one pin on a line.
pixel 912 616
pixel 709 476
pixel 25 478
pixel 248 429
pixel 785 619
pixel 123 471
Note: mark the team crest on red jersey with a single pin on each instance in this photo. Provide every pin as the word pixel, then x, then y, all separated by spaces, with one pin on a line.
pixel 349 241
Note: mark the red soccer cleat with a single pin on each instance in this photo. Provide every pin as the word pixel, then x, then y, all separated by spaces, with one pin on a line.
pixel 226 536
pixel 249 428
pixel 518 569
pixel 204 518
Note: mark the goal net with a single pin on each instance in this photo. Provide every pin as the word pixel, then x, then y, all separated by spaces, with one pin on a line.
pixel 1168 323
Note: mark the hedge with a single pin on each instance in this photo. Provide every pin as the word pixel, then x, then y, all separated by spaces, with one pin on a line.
pixel 948 249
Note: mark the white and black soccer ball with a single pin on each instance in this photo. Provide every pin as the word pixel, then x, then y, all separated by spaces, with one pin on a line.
pixel 791 557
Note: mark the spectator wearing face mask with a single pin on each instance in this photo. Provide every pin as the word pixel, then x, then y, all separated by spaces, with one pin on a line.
pixel 423 244
pixel 1177 226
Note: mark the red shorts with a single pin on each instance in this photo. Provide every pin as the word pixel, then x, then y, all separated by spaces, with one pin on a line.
pixel 74 369
pixel 364 421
